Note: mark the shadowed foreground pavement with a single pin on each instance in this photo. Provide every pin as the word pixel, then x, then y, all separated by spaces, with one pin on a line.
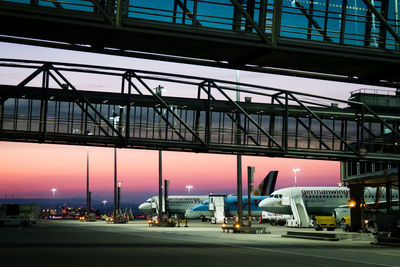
pixel 74 243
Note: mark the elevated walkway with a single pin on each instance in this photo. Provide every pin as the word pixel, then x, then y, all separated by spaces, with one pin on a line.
pixel 270 122
pixel 284 37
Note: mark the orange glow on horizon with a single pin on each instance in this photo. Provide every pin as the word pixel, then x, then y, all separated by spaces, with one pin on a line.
pixel 31 170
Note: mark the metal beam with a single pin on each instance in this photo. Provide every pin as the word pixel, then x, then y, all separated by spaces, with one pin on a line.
pixel 106 16
pixel 186 11
pixel 313 21
pixel 389 28
pixel 323 123
pixel 88 103
pixel 248 116
pixel 250 20
pixel 238 124
pixel 159 113
pixel 166 106
pixel 276 22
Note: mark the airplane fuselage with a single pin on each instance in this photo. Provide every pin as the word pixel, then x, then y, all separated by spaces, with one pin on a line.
pixel 317 200
pixel 231 206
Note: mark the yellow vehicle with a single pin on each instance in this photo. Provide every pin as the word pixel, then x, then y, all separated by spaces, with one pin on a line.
pixel 328 222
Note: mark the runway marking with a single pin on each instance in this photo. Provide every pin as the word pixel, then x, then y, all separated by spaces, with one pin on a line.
pixel 288 252
pixel 183 238
pixel 315 256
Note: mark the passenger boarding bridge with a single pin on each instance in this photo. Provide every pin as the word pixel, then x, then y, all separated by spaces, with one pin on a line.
pixel 54 104
pixel 353 41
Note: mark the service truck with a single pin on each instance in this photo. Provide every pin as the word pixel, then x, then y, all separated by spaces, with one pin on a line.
pixel 274 218
pixel 19 214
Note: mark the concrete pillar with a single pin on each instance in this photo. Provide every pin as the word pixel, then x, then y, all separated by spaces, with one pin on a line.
pixel 239 191
pixel 388 198
pixel 160 200
pixel 357 195
pixel 166 193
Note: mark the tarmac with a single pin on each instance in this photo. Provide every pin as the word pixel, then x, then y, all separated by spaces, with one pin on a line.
pixel 75 243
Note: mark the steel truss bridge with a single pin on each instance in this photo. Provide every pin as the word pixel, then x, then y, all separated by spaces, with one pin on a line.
pixel 344 40
pixel 58 103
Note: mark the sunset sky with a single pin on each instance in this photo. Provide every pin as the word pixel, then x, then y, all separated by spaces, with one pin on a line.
pixel 31 170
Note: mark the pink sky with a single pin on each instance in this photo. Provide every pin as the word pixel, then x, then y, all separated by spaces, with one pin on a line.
pixel 31 170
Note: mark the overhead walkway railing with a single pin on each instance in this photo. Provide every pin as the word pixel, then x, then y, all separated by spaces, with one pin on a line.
pixel 79 104
pixel 357 41
pixel 360 22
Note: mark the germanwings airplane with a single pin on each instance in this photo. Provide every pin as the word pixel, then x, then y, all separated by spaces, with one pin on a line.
pixel 265 188
pixel 321 200
pixel 183 206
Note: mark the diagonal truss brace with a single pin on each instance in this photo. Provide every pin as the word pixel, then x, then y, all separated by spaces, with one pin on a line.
pixel 323 123
pixel 201 85
pixel 162 102
pixel 250 20
pixel 389 28
pixel 247 115
pixel 187 12
pixel 76 92
pixel 312 20
pixel 103 12
pixel 47 68
pixel 302 123
pixel 159 113
pixel 380 119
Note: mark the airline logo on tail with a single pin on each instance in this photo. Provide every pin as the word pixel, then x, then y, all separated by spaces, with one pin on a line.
pixel 267 186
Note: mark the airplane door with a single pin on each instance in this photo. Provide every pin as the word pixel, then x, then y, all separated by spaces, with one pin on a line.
pixel 211 203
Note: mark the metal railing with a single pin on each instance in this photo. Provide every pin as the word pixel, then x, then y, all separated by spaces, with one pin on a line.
pixel 342 22
pixel 47 107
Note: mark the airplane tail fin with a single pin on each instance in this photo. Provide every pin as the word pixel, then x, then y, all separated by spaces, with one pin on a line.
pixel 267 186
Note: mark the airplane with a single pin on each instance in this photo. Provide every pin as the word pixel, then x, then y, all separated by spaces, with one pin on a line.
pixel 266 187
pixel 321 200
pixel 178 205
pixel 183 206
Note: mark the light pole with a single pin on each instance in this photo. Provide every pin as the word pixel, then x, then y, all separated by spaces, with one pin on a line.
pixel 295 170
pixel 104 202
pixel 115 119
pixel 189 187
pixel 87 184
pixel 119 196
pixel 88 193
pixel 53 190
pixel 238 159
pixel 158 91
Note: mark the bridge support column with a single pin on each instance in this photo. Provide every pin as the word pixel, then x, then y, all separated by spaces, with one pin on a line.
pixel 356 213
pixel 239 191
pixel 160 195
pixel 166 193
pixel 388 198
pixel 250 180
pixel 116 209
pixel 398 188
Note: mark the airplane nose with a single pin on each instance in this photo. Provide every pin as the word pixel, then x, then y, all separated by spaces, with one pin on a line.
pixel 264 204
pixel 143 207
